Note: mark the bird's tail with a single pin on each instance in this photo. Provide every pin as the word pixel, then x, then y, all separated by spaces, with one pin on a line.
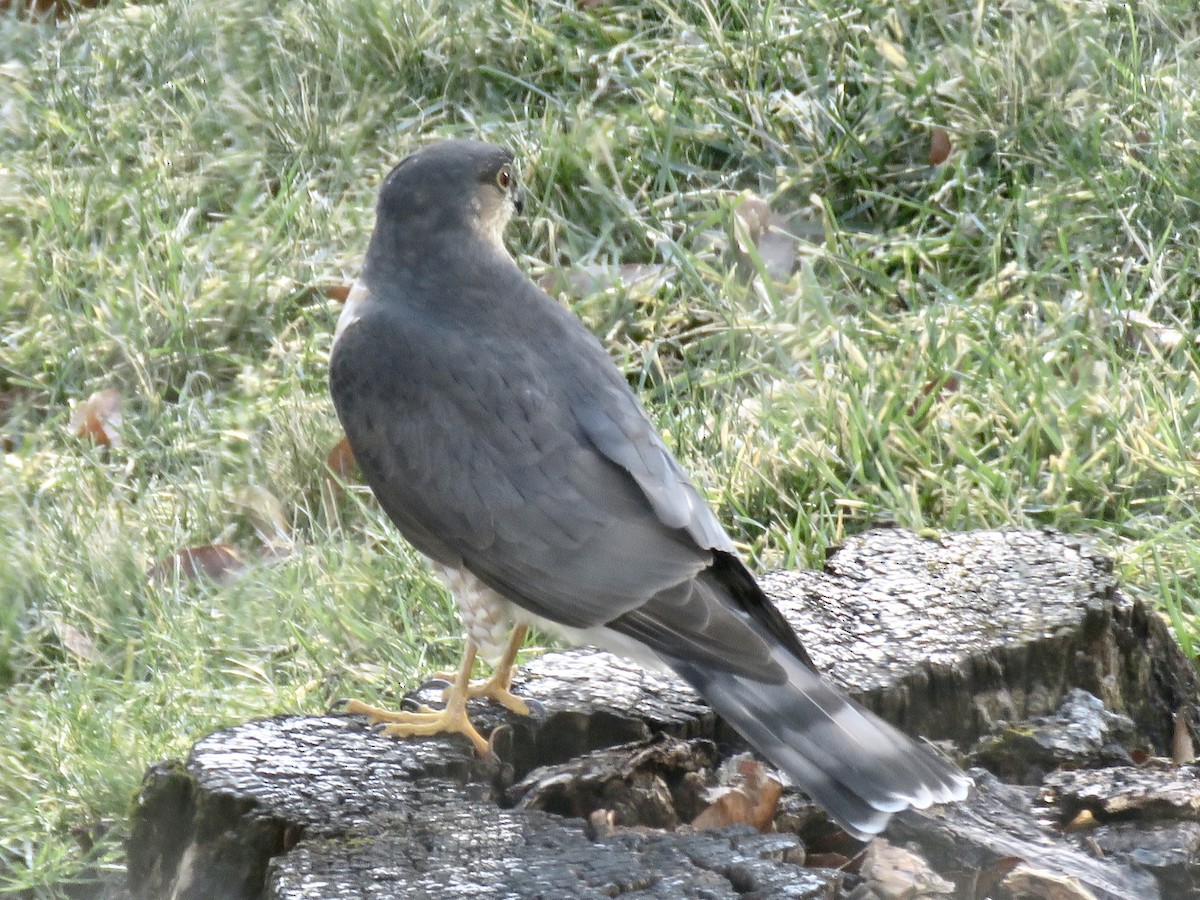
pixel 860 768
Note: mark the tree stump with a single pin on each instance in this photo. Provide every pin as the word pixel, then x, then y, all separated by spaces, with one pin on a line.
pixel 961 639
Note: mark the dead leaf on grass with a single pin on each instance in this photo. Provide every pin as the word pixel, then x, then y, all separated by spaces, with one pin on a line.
pixel 937 388
pixel 777 249
pixel 1141 144
pixel 98 418
pixel 340 460
pixel 340 466
pixel 753 219
pixel 939 146
pixel 220 562
pixel 337 292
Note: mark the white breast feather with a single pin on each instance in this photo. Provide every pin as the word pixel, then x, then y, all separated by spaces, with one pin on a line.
pixel 350 309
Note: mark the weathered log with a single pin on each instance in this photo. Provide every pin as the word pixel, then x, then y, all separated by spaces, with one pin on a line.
pixel 950 638
pixel 999 822
pixel 1157 791
pixel 479 850
pixel 1082 733
pixel 1170 852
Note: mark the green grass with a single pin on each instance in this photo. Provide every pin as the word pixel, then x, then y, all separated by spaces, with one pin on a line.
pixel 955 349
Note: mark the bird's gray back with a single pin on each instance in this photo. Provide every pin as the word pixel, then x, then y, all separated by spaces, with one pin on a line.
pixel 500 436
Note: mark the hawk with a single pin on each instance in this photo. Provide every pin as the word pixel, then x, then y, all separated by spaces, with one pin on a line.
pixel 506 446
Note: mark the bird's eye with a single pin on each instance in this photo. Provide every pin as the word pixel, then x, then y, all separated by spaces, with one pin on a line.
pixel 504 178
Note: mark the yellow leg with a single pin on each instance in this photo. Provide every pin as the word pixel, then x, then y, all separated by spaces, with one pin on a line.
pixel 428 721
pixel 498 687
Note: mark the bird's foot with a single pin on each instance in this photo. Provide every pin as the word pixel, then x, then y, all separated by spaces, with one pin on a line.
pixel 497 688
pixel 424 721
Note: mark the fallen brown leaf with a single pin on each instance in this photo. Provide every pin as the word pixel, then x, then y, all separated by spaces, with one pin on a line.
pixel 759 230
pixel 748 797
pixel 340 466
pixel 219 562
pixel 338 292
pixel 730 808
pixel 939 146
pixel 340 460
pixel 98 418
pixel 1141 144
pixel 777 250
pixel 754 216
pixel 83 837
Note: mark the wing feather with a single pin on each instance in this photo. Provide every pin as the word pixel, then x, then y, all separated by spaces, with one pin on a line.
pixel 532 464
pixel 472 445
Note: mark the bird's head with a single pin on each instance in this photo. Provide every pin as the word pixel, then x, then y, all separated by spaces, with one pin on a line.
pixel 450 185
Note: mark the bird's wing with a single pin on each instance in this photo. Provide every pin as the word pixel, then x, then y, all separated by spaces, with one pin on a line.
pixel 471 444
pixel 530 463
pixel 618 427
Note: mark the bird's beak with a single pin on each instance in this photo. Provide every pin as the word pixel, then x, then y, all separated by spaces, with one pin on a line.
pixel 518 200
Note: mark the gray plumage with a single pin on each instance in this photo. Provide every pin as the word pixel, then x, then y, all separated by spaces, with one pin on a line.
pixel 503 442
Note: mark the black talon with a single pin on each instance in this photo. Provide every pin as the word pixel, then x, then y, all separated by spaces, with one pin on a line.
pixel 536 707
pixel 500 742
pixel 410 704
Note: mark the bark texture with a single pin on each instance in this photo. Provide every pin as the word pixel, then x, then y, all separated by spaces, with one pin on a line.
pixel 1014 647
